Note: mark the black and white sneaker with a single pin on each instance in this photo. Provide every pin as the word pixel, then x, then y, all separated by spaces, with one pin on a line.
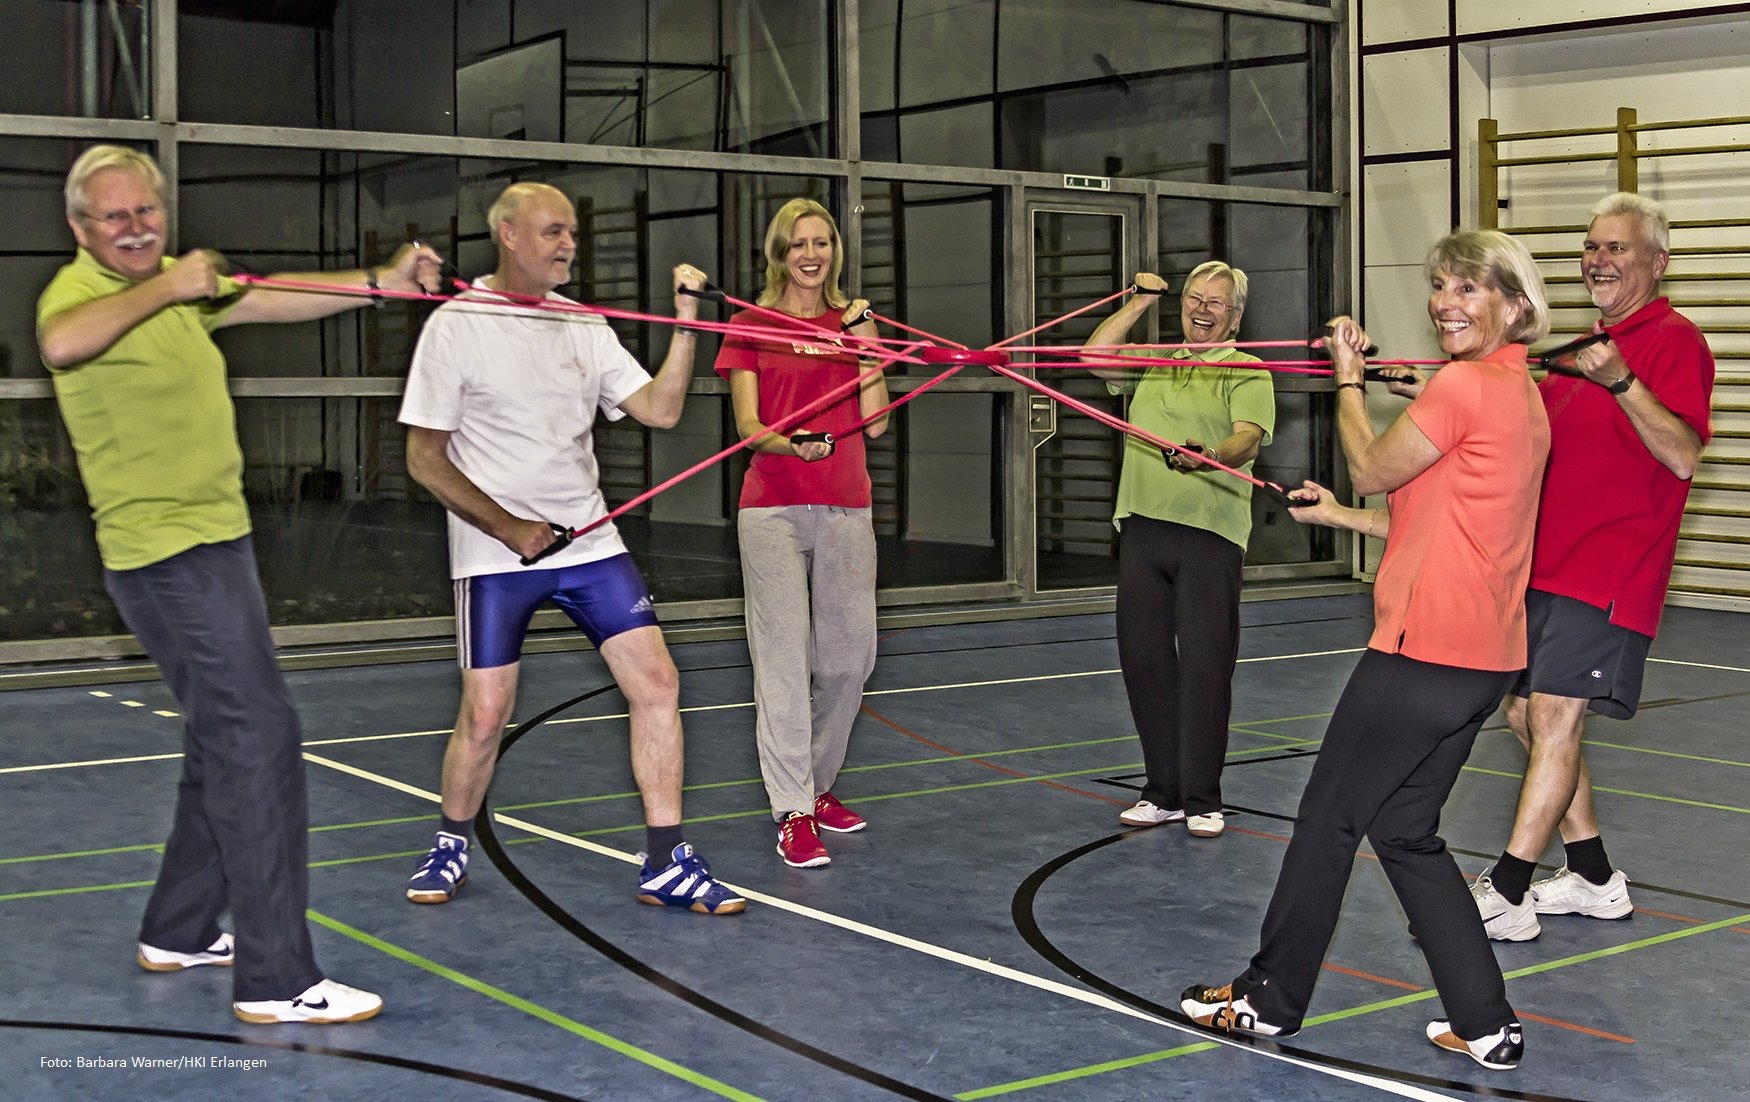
pixel 1501 1050
pixel 1216 1008
pixel 324 1002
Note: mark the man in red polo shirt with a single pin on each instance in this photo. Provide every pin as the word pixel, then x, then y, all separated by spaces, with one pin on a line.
pixel 1625 436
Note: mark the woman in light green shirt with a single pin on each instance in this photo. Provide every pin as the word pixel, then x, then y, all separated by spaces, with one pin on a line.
pixel 1182 531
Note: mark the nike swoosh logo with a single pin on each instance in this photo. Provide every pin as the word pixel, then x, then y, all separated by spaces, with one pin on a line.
pixel 323 1005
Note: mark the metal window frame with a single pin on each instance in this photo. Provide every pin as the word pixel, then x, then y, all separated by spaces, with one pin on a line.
pixel 847 172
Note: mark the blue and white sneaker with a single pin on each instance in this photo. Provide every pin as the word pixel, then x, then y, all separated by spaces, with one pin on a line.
pixel 686 882
pixel 443 872
pixel 153 959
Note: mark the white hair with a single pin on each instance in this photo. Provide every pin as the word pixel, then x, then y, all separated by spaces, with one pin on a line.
pixel 1654 222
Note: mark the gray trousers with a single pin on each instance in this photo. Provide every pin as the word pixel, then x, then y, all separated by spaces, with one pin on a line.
pixel 239 836
pixel 808 573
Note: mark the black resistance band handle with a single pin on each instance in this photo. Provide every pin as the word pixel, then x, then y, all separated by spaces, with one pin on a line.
pixel 816 438
pixel 561 540
pixel 1569 349
pixel 1322 343
pixel 710 293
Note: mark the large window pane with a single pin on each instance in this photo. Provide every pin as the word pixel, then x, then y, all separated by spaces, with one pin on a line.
pixel 1285 253
pixel 51 585
pixel 932 259
pixel 84 60
pixel 34 242
pixel 1110 87
pixel 751 76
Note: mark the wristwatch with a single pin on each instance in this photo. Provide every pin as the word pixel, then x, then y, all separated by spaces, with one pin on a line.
pixel 1621 385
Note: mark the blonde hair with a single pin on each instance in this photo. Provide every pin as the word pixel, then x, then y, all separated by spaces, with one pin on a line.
pixel 100 157
pixel 778 249
pixel 1212 268
pixel 1493 258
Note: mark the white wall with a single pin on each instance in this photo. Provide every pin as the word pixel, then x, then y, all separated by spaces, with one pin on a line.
pixel 1575 71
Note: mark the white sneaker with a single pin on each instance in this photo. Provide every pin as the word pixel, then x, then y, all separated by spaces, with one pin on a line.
pixel 1501 1050
pixel 325 1002
pixel 1145 814
pixel 1502 920
pixel 1207 826
pixel 1569 893
pixel 154 959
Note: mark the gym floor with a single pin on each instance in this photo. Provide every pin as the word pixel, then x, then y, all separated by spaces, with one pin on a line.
pixel 994 933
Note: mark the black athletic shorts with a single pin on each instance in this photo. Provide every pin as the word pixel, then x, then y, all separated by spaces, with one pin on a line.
pixel 1573 650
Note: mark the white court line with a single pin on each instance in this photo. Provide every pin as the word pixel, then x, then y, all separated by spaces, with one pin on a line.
pixel 1698 665
pixel 83 764
pixel 684 711
pixel 1014 975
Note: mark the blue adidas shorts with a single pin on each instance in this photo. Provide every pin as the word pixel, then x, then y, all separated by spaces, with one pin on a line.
pixel 604 598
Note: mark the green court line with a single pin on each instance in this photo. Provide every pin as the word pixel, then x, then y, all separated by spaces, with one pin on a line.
pixel 1667 753
pixel 1354 1012
pixel 720 817
pixel 1082 1073
pixel 1289 719
pixel 398 821
pixel 1244 730
pixel 45 892
pixel 1547 966
pixel 157 846
pixel 536 1010
pixel 1622 792
pixel 405 819
pixel 937 760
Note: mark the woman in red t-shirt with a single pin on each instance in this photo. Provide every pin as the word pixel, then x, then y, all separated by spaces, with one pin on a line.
pixel 806 534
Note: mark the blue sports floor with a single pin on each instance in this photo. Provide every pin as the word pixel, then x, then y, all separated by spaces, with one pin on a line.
pixel 995 933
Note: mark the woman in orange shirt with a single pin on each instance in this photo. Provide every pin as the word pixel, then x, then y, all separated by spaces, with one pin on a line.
pixel 1461 468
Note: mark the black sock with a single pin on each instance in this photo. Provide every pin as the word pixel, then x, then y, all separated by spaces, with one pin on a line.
pixel 661 842
pixel 462 827
pixel 1512 877
pixel 1587 858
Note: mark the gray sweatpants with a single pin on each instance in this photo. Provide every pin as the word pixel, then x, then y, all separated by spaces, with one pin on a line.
pixel 808 572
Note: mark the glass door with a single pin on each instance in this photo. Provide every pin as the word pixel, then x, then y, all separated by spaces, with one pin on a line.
pixel 1080 252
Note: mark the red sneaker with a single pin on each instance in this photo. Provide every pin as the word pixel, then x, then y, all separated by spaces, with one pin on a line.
pixel 836 817
pixel 799 842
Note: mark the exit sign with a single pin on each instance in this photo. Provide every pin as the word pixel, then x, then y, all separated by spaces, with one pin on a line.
pixel 1088 183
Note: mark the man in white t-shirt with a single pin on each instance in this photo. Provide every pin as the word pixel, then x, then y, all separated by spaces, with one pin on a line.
pixel 499 407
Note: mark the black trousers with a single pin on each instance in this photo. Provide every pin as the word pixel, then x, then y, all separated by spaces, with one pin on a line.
pixel 1178 639
pixel 1401 732
pixel 239 833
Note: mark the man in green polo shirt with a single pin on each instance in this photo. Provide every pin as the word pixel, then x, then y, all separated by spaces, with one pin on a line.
pixel 1182 531
pixel 126 334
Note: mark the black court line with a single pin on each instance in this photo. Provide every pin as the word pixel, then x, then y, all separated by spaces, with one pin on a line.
pixel 509 1086
pixel 576 927
pixel 1021 911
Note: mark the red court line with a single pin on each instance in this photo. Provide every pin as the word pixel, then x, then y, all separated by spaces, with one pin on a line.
pixel 1370 977
pixel 1577 1028
pixel 934 745
pixel 1557 1022
pixel 1357 973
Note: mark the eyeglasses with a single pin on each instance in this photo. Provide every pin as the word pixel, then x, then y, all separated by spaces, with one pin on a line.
pixel 1198 302
pixel 118 219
